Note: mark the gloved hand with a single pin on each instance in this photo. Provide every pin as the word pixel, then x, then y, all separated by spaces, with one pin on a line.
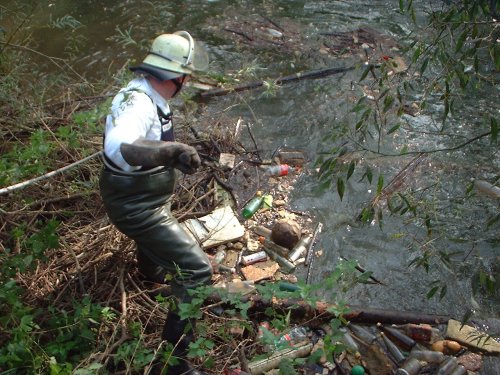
pixel 149 153
pixel 188 160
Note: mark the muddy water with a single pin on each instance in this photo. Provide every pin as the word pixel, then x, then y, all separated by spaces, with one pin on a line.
pixel 299 115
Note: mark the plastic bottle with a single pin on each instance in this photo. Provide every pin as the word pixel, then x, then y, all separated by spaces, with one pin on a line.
pixel 393 349
pixel 448 366
pixel 283 251
pixel 252 206
pixel 294 336
pixel 279 170
pixel 399 337
pixel 419 332
pixel 459 370
pixel 300 248
pixel 233 287
pixel 289 287
pixel 428 356
pixel 348 340
pixel 362 333
pixel 411 367
pixel 219 256
pixel 285 264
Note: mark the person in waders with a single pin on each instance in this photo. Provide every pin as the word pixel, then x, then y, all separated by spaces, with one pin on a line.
pixel 138 179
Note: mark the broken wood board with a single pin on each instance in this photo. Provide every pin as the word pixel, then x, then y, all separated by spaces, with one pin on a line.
pixel 471 337
pixel 260 272
pixel 214 229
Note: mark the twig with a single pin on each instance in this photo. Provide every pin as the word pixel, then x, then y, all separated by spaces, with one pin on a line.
pixel 24 184
pixel 309 254
pixel 238 33
pixel 78 270
pixel 310 251
pixel 272 22
pixel 123 321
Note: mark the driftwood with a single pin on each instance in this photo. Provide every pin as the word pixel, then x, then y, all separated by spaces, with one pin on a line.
pixel 323 311
pixel 287 79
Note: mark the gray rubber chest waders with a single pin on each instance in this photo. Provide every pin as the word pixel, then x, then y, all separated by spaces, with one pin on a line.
pixel 139 206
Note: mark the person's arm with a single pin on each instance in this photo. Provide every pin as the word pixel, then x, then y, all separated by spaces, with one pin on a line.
pixel 148 153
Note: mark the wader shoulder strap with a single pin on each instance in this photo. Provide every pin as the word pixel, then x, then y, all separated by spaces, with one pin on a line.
pixel 167 127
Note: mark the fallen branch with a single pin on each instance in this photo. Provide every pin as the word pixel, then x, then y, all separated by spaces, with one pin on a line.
pixel 24 184
pixel 287 79
pixel 299 310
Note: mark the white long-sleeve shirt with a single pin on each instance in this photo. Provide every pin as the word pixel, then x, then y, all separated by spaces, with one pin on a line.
pixel 133 115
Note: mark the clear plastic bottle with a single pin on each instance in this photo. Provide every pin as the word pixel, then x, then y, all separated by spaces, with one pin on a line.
pixel 362 333
pixel 428 356
pixel 219 256
pixel 300 248
pixel 411 367
pixel 459 370
pixel 237 287
pixel 348 340
pixel 294 336
pixel 279 170
pixel 448 366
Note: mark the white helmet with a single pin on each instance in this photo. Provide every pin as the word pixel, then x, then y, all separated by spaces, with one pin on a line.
pixel 174 55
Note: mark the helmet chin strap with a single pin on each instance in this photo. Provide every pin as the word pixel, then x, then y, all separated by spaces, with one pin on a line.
pixel 178 85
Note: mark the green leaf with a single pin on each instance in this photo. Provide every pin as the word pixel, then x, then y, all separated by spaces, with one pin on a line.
pixel 369 174
pixel 492 221
pixel 414 58
pixel 367 214
pixel 393 129
pixel 443 291
pixel 401 6
pixel 350 171
pixel 389 99
pixel 340 187
pixel 380 184
pixel 424 66
pixel 461 40
pixel 365 73
pixel 431 292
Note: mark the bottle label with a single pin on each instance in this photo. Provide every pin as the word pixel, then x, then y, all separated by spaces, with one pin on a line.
pixel 283 169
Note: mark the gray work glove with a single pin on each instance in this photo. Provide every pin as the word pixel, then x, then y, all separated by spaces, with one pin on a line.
pixel 148 153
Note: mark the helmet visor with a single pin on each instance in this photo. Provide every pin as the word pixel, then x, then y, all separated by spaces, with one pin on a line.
pixel 199 57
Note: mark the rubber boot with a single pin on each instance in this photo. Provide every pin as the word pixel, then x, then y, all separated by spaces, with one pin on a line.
pixel 173 333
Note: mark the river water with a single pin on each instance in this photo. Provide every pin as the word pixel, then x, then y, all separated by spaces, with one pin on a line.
pixel 108 33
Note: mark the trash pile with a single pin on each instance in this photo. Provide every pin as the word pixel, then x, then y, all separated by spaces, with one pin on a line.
pixel 266 241
pixel 407 349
